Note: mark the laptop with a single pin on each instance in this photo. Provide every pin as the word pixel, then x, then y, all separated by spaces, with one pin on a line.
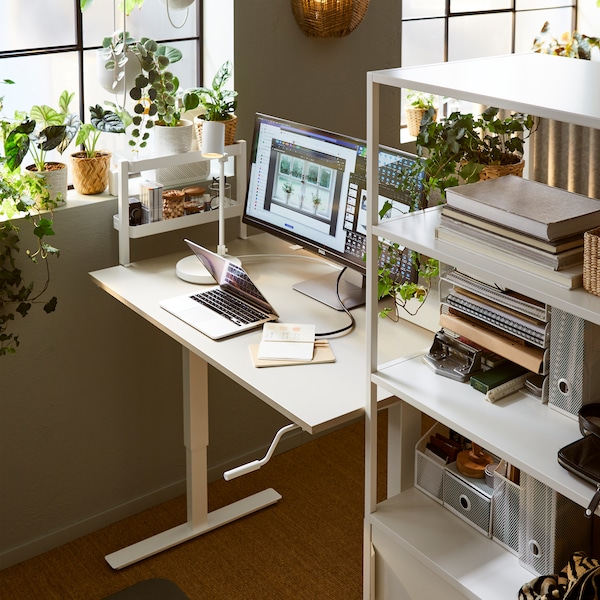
pixel 233 306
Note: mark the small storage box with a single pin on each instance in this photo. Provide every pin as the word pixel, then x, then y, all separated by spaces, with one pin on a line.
pixel 470 499
pixel 505 510
pixel 429 471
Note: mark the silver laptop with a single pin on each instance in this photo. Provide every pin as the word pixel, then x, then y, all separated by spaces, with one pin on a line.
pixel 232 306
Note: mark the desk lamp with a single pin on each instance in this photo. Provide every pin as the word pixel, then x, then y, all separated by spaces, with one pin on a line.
pixel 213 147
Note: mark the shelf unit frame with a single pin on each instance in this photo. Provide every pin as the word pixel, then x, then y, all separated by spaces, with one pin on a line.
pixel 521 430
pixel 125 167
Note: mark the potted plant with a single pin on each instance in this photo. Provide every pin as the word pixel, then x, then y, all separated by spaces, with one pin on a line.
pixel 462 148
pixel 45 129
pixel 316 200
pixel 571 44
pixel 219 104
pixel 287 188
pixel 157 99
pixel 417 104
pixel 91 167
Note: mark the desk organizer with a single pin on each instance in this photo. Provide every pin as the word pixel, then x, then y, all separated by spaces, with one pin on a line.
pixel 551 527
pixel 429 472
pixel 505 510
pixel 468 498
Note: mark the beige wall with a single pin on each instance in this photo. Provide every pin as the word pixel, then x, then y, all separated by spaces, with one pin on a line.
pixel 90 406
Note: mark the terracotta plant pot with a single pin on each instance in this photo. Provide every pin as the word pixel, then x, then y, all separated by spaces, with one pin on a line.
pixel 90 175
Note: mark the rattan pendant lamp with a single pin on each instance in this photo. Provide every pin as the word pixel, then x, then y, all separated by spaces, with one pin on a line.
pixel 329 18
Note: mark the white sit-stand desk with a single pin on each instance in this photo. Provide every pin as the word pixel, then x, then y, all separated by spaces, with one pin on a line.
pixel 316 397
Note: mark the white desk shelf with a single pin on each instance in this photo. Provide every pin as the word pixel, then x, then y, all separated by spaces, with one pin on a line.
pixel 448 557
pixel 127 232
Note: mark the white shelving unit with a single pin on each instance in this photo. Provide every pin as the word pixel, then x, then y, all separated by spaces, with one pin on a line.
pixel 414 547
pixel 127 232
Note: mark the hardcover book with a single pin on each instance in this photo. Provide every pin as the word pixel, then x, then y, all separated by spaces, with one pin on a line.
pixel 531 207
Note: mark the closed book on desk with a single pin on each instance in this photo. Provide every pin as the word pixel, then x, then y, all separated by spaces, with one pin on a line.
pixel 531 207
pixel 484 381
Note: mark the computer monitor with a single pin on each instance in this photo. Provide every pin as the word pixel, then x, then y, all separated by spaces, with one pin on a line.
pixel 308 186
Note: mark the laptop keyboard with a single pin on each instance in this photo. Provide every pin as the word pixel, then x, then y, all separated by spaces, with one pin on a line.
pixel 230 307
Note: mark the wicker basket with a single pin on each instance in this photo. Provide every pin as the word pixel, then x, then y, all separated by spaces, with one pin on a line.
pixel 230 127
pixel 90 175
pixel 329 18
pixel 414 116
pixel 495 171
pixel 591 262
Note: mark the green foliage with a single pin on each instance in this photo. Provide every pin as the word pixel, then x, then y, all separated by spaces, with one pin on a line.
pixel 43 130
pixel 572 45
pixel 456 148
pixel 17 296
pixel 418 99
pixel 155 91
pixel 102 120
pixel 219 103
pixel 128 5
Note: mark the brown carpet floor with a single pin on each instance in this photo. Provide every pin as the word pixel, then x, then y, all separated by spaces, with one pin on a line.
pixel 307 546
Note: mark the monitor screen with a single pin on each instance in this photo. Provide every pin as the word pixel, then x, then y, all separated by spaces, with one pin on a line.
pixel 308 186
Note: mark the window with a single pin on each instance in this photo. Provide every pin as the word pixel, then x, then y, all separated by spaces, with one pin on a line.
pixel 47 47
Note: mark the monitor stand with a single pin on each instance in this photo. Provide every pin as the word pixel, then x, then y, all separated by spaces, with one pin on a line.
pixel 323 289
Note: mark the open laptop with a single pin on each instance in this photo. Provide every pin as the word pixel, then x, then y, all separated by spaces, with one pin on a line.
pixel 233 306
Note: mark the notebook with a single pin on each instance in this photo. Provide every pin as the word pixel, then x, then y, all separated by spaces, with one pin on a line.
pixel 233 306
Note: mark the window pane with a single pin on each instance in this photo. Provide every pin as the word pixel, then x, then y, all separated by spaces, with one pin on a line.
pixel 531 4
pixel 418 9
pixel 479 35
pixel 530 23
pixel 153 21
pixel 37 24
pixel 458 6
pixel 414 52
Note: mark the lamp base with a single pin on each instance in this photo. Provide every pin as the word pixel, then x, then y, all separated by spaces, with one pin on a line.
pixel 190 269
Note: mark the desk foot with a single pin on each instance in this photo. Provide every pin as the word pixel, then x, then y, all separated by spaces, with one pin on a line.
pixel 183 533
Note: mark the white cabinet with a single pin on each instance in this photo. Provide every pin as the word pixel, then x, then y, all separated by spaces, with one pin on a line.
pixel 447 554
pixel 127 232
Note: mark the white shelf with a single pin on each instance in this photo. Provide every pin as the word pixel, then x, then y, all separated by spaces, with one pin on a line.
pixel 525 432
pixel 128 232
pixel 147 229
pixel 518 428
pixel 417 231
pixel 475 565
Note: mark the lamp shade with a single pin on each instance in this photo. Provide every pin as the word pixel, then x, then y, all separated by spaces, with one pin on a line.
pixel 213 139
pixel 329 18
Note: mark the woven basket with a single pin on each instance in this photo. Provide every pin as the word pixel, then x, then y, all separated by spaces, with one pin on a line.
pixel 90 175
pixel 591 261
pixel 329 18
pixel 495 171
pixel 230 127
pixel 414 116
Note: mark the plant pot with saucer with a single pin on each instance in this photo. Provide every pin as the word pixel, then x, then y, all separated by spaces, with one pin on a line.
pixel 91 167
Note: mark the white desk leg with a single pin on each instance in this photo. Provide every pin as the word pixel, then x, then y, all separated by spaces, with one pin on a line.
pixel 199 520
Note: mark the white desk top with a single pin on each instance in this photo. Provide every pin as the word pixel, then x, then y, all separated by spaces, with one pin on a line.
pixel 316 397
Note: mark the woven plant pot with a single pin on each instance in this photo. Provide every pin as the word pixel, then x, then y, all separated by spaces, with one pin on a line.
pixel 495 171
pixel 591 261
pixel 230 127
pixel 414 116
pixel 329 18
pixel 90 175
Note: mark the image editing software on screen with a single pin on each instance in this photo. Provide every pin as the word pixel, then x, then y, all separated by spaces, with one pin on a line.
pixel 308 186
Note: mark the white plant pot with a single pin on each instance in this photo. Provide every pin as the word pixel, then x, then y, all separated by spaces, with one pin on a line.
pixel 55 181
pixel 108 77
pixel 177 4
pixel 173 140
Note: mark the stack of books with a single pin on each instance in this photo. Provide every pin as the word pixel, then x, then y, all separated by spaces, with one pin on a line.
pixel 530 225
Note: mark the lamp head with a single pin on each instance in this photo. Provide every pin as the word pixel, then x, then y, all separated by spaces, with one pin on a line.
pixel 213 139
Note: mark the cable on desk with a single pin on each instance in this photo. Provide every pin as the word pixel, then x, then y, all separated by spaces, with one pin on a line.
pixel 352 324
